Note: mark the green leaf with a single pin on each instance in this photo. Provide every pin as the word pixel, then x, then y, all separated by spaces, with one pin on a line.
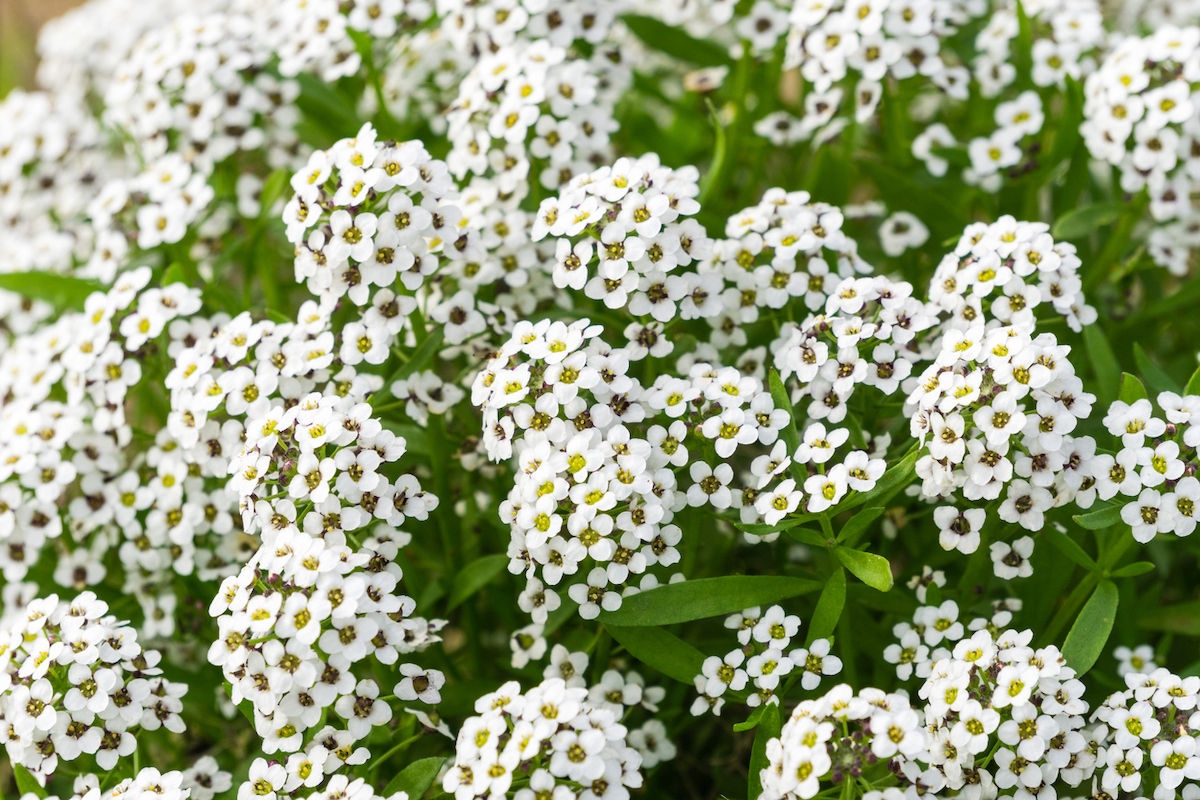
pixel 1182 619
pixel 1104 363
pixel 673 41
pixel 1071 549
pixel 1131 570
pixel 720 153
pixel 26 783
pixel 751 721
pixel 1159 381
pixel 704 597
pixel 1132 390
pixel 1089 634
pixel 475 576
pixel 420 357
pixel 273 188
pixel 829 607
pixel 1100 519
pixel 808 536
pixel 873 570
pixel 416 778
pixel 1079 222
pixel 898 190
pixel 759 529
pixel 781 399
pixel 657 648
pixel 61 291
pixel 174 274
pixel 1193 384
pixel 858 524
pixel 769 728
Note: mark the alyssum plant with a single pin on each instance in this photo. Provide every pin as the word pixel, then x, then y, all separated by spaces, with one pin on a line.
pixel 595 400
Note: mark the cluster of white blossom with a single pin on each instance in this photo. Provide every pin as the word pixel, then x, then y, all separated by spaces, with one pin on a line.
pixel 68 473
pixel 998 404
pixel 552 739
pixel 623 231
pixel 761 660
pixel 77 683
pixel 1149 737
pixel 198 87
pixel 936 629
pixel 849 51
pixel 835 737
pixel 596 454
pixel 1142 117
pixel 52 158
pixel 368 214
pixel 531 105
pixel 1067 35
pixel 1002 716
pixel 1152 474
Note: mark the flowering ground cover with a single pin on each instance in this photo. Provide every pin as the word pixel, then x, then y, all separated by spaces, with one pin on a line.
pixel 596 400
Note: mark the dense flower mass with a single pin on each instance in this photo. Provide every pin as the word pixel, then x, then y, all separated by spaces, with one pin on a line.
pixel 359 357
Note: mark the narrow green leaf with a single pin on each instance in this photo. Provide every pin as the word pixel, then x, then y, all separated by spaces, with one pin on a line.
pixel 673 41
pixel 769 728
pixel 858 524
pixel 420 357
pixel 1080 222
pixel 1071 549
pixel 1159 380
pixel 1183 619
pixel 873 570
pixel 475 576
pixel 808 536
pixel 174 274
pixel 704 597
pixel 1134 569
pixel 712 180
pixel 1132 390
pixel 26 783
pixel 416 778
pixel 1100 519
pixel 758 529
pixel 1193 384
pixel 1085 642
pixel 899 190
pixel 781 399
pixel 273 189
pixel 751 722
pixel 829 607
pixel 61 291
pixel 1104 363
pixel 657 648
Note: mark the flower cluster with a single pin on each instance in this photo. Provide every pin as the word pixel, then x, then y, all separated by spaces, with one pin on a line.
pixel 761 660
pixel 1002 715
pixel 368 215
pixel 1149 736
pixel 836 737
pixel 1152 474
pixel 597 452
pixel 77 683
pixel 1141 117
pixel 622 232
pixel 934 632
pixel 552 737
pixel 529 106
pixel 850 50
